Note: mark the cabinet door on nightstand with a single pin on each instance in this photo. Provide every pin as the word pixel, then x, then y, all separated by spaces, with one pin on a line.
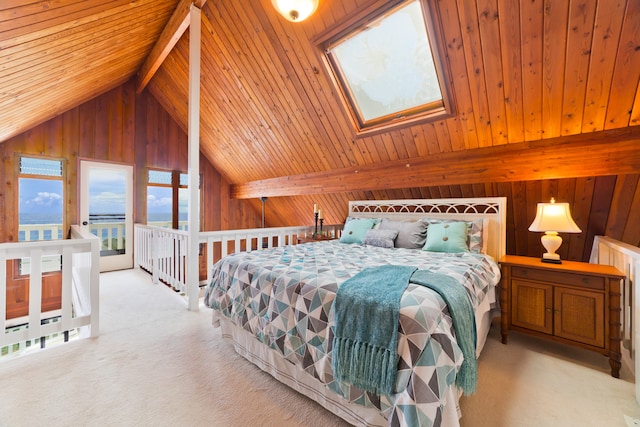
pixel 531 305
pixel 579 316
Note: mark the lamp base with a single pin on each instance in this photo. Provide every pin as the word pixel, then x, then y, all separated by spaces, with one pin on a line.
pixel 551 257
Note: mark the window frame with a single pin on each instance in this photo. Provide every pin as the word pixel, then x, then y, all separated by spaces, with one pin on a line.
pixel 175 187
pixel 17 268
pixel 62 178
pixel 437 110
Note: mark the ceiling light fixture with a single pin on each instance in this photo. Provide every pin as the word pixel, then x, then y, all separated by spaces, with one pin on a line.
pixel 295 10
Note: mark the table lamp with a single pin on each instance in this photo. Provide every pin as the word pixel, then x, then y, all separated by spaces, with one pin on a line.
pixel 553 218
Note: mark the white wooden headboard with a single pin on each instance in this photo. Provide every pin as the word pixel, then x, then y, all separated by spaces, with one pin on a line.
pixel 493 210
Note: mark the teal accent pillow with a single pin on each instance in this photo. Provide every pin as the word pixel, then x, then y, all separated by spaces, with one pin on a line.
pixel 355 230
pixel 447 237
pixel 475 233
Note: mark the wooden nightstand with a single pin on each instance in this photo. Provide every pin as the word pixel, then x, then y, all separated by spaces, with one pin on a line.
pixel 574 303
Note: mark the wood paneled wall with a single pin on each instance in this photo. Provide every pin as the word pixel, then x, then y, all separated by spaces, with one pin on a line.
pixel 121 127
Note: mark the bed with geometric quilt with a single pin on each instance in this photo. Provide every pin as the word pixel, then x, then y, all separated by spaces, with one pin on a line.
pixel 278 305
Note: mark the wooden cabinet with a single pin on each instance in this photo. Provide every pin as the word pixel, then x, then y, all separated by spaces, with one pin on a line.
pixel 302 239
pixel 575 303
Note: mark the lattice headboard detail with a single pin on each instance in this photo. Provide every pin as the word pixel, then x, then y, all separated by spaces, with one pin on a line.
pixel 493 210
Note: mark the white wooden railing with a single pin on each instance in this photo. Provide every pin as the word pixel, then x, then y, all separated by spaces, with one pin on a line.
pixel 231 241
pixel 80 257
pixel 162 252
pixel 33 232
pixel 114 232
pixel 625 258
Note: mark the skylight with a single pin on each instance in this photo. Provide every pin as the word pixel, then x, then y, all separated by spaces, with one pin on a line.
pixel 386 69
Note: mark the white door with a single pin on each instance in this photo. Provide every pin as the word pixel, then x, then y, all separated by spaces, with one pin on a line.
pixel 106 207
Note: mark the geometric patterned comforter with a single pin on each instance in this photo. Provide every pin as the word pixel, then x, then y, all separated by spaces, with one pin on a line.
pixel 284 297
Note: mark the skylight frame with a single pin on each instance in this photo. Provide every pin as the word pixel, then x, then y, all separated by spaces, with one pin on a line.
pixel 360 21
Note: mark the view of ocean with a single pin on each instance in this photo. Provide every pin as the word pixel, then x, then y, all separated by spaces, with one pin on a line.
pixel 48 218
pixel 40 218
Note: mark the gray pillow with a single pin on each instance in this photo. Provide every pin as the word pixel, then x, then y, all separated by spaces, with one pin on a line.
pixel 380 238
pixel 411 234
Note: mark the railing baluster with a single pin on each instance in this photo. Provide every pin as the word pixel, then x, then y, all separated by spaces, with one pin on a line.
pixel 35 291
pixel 66 305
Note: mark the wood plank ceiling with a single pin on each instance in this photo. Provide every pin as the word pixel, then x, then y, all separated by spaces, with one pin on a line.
pixel 521 72
pixel 537 76
pixel 55 55
pixel 557 77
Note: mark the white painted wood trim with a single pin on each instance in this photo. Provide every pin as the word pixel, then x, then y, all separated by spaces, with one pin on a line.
pixel 194 157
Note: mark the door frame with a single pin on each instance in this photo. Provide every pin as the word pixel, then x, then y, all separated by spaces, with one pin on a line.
pixel 112 262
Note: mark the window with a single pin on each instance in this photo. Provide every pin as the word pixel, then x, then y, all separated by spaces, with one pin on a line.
pixel 183 200
pixel 160 199
pixel 40 206
pixel 387 69
pixel 167 199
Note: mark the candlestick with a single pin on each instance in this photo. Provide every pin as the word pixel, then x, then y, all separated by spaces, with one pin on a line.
pixel 321 221
pixel 315 231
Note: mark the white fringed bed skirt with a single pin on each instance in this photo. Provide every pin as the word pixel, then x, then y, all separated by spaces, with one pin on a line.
pixel 284 371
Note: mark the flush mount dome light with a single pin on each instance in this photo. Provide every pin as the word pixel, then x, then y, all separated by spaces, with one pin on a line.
pixel 295 10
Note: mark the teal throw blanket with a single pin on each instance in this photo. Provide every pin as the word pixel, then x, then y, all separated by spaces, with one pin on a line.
pixel 464 323
pixel 367 313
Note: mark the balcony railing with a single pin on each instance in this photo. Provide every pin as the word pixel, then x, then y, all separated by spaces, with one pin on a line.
pixel 79 295
pixel 33 232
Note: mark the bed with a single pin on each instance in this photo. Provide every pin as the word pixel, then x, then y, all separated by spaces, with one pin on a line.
pixel 276 306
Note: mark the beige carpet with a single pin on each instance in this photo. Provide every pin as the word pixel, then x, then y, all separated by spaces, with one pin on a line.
pixel 157 364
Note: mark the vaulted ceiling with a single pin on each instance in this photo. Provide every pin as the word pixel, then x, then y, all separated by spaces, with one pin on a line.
pixel 531 76
pixel 55 55
pixel 531 71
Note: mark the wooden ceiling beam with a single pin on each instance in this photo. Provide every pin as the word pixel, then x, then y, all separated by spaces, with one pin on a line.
pixel 175 28
pixel 612 152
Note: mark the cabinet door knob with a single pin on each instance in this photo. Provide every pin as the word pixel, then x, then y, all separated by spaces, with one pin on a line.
pixel 548 310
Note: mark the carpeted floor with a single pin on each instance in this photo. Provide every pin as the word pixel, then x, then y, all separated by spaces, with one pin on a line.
pixel 157 364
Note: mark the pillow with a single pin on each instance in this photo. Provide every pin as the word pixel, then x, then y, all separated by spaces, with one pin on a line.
pixel 475 233
pixel 475 238
pixel 355 229
pixel 376 221
pixel 380 238
pixel 447 237
pixel 411 234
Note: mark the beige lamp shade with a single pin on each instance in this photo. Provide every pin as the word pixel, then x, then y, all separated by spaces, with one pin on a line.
pixel 553 218
pixel 295 10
